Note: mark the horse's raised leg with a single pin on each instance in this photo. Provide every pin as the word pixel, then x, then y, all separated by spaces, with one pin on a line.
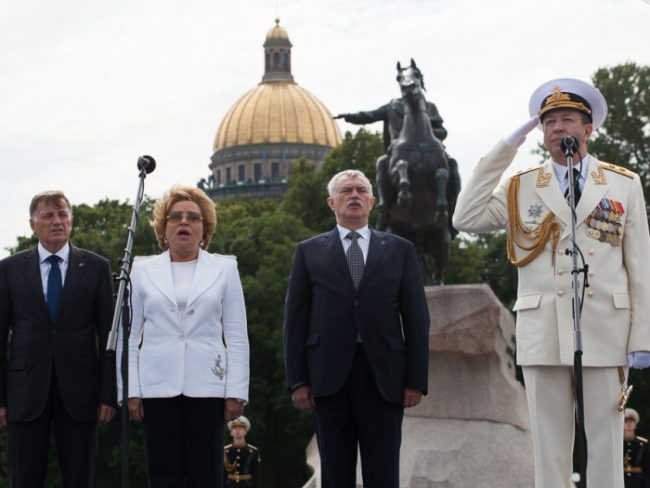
pixel 442 209
pixel 404 185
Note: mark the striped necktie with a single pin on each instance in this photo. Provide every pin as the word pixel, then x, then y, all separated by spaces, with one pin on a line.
pixel 355 258
pixel 576 185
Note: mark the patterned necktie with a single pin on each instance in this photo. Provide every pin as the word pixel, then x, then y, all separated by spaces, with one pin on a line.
pixel 54 285
pixel 355 258
pixel 576 185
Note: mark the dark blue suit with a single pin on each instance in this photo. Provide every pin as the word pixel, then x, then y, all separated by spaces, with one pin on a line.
pixel 358 388
pixel 58 372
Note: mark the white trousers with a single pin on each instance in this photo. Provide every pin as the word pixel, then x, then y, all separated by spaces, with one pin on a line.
pixel 549 390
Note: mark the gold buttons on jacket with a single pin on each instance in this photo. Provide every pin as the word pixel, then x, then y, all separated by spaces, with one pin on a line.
pixel 561 272
pixel 590 294
pixel 561 293
pixel 591 252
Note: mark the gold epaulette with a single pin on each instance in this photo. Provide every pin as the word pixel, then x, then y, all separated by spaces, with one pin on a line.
pixel 252 447
pixel 642 439
pixel 618 169
pixel 227 447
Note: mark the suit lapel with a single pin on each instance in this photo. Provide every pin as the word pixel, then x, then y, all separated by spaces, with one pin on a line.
pixel 334 249
pixel 204 276
pixel 552 197
pixel 592 194
pixel 32 275
pixel 159 270
pixel 375 255
pixel 73 277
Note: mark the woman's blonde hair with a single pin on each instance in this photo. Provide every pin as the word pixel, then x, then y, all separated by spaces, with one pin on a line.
pixel 178 193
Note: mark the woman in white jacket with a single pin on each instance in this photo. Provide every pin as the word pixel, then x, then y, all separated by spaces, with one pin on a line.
pixel 188 349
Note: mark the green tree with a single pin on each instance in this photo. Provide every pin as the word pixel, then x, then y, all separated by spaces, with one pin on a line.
pixel 624 138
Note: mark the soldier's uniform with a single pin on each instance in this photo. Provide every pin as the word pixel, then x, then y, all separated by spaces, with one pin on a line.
pixel 636 463
pixel 241 466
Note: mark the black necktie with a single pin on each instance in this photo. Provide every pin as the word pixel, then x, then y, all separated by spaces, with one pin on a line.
pixel 54 285
pixel 576 185
pixel 355 258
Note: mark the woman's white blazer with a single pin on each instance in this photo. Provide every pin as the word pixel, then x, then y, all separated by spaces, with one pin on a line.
pixel 202 352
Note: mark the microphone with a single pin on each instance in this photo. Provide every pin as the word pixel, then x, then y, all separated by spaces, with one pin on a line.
pixel 146 163
pixel 569 144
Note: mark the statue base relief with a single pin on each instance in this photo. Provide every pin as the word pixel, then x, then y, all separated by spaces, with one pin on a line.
pixel 472 428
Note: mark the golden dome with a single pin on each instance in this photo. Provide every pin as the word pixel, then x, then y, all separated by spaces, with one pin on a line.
pixel 277 112
pixel 277 32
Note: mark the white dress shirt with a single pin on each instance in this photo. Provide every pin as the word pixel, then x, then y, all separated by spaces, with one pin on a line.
pixel 561 173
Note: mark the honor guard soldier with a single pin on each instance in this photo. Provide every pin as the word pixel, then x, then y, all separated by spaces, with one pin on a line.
pixel 636 454
pixel 241 460
pixel 612 233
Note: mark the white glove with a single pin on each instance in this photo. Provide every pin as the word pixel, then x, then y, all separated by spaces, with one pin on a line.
pixel 518 137
pixel 638 359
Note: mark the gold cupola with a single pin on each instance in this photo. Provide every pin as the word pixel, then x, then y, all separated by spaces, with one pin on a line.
pixel 272 124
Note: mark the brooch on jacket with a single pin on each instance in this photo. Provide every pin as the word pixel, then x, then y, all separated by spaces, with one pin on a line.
pixel 604 222
pixel 217 369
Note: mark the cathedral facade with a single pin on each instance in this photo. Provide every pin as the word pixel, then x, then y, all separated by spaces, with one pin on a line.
pixel 270 126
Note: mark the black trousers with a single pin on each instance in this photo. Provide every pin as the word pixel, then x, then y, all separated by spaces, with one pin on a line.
pixel 29 442
pixel 184 442
pixel 358 415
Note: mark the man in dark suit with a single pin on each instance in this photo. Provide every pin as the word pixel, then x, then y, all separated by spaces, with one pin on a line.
pixel 56 300
pixel 356 337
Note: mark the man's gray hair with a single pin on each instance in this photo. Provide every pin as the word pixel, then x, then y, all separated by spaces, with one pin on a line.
pixel 347 173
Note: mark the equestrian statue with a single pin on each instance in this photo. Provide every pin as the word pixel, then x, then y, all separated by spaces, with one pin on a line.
pixel 417 182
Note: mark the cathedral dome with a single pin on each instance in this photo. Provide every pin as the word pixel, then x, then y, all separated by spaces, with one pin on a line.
pixel 277 112
pixel 270 126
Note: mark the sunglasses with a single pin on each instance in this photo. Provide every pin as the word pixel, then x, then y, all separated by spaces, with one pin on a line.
pixel 191 217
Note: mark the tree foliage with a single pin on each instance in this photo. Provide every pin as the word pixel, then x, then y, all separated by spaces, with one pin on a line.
pixel 624 138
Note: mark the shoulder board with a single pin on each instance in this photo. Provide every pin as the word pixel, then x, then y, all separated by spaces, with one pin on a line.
pixel 618 169
pixel 643 440
pixel 252 447
pixel 227 447
pixel 528 170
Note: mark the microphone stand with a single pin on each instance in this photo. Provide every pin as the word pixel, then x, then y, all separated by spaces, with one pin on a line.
pixel 581 444
pixel 122 313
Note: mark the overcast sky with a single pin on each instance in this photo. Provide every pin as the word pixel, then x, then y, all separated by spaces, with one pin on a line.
pixel 88 86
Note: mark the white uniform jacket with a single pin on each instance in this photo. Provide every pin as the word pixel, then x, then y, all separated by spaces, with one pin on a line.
pixel 616 309
pixel 202 352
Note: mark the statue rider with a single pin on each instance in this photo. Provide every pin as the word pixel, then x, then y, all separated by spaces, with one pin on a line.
pixel 392 114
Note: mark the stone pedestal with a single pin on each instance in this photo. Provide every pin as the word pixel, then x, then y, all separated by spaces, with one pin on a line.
pixel 471 430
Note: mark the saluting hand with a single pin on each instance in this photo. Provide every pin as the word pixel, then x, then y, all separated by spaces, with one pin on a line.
pixel 518 137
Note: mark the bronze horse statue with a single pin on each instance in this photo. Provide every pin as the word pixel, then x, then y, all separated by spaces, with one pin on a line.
pixel 415 192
